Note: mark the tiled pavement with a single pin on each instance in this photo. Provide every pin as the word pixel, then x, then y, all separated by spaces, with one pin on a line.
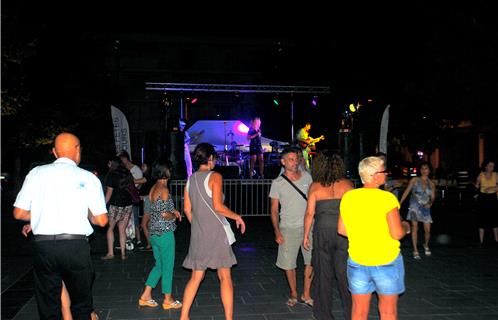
pixel 459 281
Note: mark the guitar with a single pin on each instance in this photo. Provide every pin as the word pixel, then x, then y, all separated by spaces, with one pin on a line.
pixel 311 142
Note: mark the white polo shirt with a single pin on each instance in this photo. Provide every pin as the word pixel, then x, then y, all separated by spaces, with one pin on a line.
pixel 59 196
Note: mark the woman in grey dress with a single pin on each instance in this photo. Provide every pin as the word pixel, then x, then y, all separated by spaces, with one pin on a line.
pixel 209 246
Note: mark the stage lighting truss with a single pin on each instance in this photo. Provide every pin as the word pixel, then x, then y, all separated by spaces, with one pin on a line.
pixel 237 88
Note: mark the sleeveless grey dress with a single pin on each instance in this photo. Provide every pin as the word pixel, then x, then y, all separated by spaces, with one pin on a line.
pixel 209 246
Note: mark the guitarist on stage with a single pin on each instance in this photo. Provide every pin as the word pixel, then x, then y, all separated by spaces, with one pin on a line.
pixel 306 142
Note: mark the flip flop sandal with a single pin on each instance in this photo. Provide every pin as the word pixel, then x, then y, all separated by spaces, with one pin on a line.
pixel 416 256
pixel 291 302
pixel 172 305
pixel 147 303
pixel 427 251
pixel 308 302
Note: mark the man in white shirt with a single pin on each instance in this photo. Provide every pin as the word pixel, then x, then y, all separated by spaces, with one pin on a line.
pixel 59 199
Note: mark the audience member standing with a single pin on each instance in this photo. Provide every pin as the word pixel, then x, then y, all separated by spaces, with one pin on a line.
pixel 59 199
pixel 369 217
pixel 209 246
pixel 423 194
pixel 137 174
pixel 147 182
pixel 487 211
pixel 162 230
pixel 117 181
pixel 289 191
pixel 330 250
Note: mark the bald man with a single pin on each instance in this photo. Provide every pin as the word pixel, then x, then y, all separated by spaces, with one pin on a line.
pixel 60 200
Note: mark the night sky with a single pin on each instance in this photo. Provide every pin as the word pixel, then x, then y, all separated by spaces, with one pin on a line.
pixel 427 62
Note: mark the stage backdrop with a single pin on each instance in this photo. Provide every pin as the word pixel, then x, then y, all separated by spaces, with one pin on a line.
pixel 219 132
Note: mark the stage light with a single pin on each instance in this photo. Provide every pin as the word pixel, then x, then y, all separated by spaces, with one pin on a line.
pixel 240 127
pixel 193 101
pixel 352 108
pixel 275 101
pixel 314 101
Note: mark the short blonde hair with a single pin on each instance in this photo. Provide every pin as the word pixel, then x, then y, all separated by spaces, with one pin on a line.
pixel 368 167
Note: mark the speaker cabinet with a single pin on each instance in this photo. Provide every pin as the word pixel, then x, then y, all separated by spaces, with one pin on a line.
pixel 175 148
pixel 228 172
pixel 272 171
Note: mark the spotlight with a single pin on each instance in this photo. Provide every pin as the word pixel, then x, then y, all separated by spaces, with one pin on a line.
pixel 194 100
pixel 352 108
pixel 314 101
pixel 275 101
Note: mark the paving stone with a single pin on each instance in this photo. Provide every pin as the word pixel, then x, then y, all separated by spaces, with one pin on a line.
pixel 457 282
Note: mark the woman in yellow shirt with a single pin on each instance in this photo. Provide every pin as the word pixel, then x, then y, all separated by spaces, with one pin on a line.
pixel 487 216
pixel 370 218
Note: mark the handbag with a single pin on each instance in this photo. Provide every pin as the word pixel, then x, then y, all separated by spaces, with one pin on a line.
pixel 134 193
pixel 226 225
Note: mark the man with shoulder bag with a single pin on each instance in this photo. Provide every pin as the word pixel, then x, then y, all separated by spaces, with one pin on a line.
pixel 289 191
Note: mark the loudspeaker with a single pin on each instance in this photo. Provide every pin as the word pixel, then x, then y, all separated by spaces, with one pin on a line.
pixel 228 172
pixel 174 150
pixel 272 171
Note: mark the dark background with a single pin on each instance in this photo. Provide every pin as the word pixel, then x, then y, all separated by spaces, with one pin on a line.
pixel 63 65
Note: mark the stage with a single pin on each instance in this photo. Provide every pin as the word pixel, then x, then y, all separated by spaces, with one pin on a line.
pixel 229 137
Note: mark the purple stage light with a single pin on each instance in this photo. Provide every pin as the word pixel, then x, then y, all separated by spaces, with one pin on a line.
pixel 240 127
pixel 314 101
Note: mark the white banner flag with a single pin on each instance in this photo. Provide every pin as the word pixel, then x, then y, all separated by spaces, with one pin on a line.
pixel 383 131
pixel 121 130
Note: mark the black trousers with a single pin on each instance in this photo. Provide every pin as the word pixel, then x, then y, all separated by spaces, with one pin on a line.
pixel 329 262
pixel 63 260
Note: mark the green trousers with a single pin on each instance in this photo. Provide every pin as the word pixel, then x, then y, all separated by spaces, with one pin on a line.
pixel 163 247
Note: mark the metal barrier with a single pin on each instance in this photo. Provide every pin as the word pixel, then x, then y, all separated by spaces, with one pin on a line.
pixel 245 197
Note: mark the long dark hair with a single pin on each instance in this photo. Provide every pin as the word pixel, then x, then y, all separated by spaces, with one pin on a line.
pixel 424 163
pixel 485 164
pixel 327 168
pixel 202 153
pixel 117 167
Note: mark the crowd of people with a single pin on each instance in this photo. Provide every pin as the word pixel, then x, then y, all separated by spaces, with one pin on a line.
pixel 349 237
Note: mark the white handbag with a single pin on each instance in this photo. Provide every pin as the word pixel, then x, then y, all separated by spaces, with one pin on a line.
pixel 224 222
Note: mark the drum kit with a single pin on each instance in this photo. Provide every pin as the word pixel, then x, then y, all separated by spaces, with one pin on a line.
pixel 238 155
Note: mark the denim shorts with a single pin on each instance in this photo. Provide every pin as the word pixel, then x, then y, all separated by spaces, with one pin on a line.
pixel 388 279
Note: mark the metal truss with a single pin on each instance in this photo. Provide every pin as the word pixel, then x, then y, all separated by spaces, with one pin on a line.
pixel 236 88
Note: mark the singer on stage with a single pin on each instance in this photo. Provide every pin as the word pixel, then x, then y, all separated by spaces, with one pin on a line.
pixel 255 147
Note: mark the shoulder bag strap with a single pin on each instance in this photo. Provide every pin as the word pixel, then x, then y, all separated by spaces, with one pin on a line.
pixel 295 187
pixel 202 197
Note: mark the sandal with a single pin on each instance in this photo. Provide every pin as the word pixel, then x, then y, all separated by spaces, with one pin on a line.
pixel 308 302
pixel 172 305
pixel 147 303
pixel 291 302
pixel 416 255
pixel 427 251
pixel 107 257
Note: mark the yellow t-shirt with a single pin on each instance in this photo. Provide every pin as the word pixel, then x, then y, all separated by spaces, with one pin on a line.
pixel 486 183
pixel 364 213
